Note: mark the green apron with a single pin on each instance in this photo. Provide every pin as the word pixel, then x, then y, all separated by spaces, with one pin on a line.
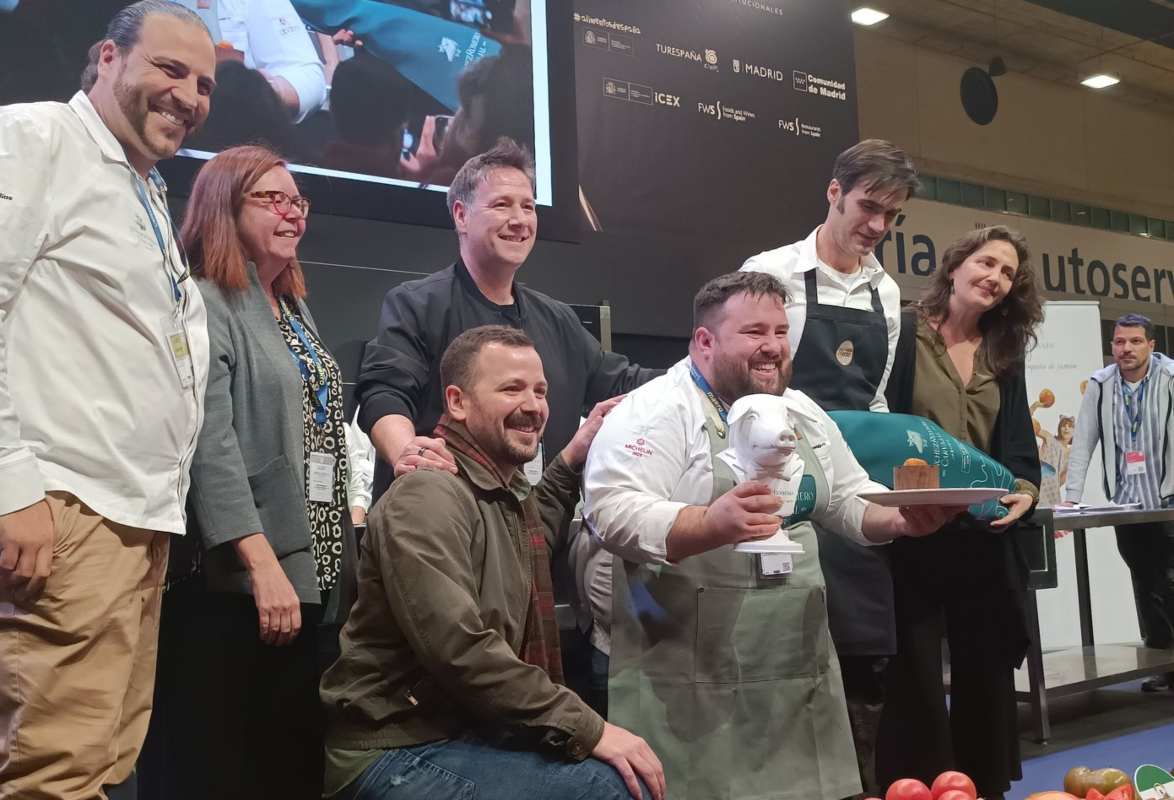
pixel 731 677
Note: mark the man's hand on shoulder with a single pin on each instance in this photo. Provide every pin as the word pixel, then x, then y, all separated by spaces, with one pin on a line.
pixel 575 453
pixel 26 548
pixel 423 452
pixel 631 756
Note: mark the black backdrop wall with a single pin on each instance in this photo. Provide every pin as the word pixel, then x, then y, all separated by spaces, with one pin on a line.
pixel 706 132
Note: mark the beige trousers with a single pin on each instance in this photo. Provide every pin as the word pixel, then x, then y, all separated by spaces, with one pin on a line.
pixel 77 663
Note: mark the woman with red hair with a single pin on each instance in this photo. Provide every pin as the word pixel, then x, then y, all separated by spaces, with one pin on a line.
pixel 269 557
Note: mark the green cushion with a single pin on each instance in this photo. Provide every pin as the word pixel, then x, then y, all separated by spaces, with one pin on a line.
pixel 883 441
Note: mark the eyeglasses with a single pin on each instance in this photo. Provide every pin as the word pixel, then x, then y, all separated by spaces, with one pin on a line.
pixel 280 203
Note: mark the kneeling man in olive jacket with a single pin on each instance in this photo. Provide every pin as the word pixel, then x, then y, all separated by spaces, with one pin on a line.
pixel 449 682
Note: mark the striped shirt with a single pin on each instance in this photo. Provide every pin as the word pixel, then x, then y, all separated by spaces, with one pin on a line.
pixel 1136 427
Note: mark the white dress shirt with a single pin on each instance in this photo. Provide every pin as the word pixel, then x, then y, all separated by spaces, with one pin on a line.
pixel 790 263
pixel 651 458
pixel 360 453
pixel 274 39
pixel 91 397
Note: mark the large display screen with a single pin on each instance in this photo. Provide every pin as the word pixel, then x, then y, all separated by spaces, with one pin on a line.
pixel 379 93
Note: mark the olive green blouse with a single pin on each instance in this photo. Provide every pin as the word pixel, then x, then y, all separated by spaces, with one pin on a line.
pixel 965 412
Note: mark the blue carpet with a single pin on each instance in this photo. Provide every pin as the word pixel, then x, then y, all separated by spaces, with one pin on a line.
pixel 1153 746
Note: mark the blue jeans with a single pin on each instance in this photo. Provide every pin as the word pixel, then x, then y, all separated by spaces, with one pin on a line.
pixel 467 768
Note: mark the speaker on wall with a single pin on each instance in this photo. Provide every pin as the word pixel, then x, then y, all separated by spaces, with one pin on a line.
pixel 980 98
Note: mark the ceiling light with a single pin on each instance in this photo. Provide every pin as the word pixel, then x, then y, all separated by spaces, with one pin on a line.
pixel 1099 81
pixel 868 16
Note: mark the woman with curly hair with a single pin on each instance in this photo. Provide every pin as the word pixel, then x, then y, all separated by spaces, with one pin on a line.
pixel 960 363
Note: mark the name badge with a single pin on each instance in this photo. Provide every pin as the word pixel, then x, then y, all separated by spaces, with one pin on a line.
pixel 533 468
pixel 1134 462
pixel 321 482
pixel 773 565
pixel 181 356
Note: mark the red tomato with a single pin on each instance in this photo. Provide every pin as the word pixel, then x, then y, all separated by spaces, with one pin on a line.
pixel 955 781
pixel 954 794
pixel 908 789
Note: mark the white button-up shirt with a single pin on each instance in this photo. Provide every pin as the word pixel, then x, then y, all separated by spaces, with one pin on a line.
pixel 274 39
pixel 790 264
pixel 91 397
pixel 651 458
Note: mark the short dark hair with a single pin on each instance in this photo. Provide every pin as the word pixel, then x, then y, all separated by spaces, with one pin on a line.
pixel 460 357
pixel 126 27
pixel 878 166
pixel 505 154
pixel 1137 321
pixel 712 297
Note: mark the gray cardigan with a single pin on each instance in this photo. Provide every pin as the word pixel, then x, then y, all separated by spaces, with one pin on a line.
pixel 248 469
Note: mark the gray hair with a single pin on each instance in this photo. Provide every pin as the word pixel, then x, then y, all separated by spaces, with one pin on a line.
pixel 877 165
pixel 126 27
pixel 505 154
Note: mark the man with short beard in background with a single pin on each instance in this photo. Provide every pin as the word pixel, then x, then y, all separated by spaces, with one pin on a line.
pixel 103 363
pixel 1126 410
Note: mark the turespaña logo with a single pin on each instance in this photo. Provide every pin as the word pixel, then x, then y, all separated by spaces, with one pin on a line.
pixel 706 58
pixel 679 52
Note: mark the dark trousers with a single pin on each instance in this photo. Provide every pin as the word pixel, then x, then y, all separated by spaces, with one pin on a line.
pixel 1148 550
pixel 234 718
pixel 963 585
pixel 864 691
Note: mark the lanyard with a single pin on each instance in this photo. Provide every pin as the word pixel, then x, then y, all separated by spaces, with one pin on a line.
pixel 318 379
pixel 711 396
pixel 1134 402
pixel 140 188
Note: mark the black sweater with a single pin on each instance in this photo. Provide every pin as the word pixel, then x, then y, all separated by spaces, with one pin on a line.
pixel 400 373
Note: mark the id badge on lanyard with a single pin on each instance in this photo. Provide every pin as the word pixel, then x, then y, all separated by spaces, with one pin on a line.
pixel 533 468
pixel 1134 462
pixel 181 354
pixel 321 478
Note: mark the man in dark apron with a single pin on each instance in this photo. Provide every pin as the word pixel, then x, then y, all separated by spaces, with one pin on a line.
pixel 722 661
pixel 844 312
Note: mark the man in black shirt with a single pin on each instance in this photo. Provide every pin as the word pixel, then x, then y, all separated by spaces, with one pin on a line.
pixel 491 201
